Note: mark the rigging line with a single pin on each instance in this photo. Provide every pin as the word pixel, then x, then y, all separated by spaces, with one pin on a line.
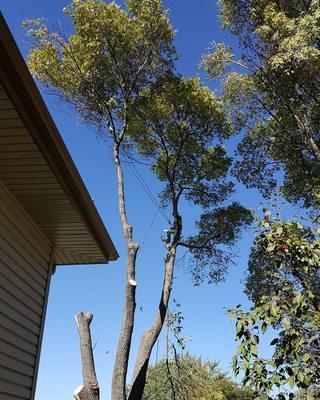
pixel 154 199
pixel 137 171
pixel 107 319
pixel 144 185
pixel 145 188
pixel 138 175
pixel 149 193
pixel 150 226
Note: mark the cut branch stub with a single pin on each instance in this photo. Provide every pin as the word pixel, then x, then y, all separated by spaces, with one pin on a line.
pixel 89 390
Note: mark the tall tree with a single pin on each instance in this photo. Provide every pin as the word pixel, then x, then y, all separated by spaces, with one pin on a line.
pixel 284 284
pixel 115 70
pixel 272 91
pixel 178 126
pixel 113 54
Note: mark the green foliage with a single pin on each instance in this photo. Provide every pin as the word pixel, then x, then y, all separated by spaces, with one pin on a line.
pixel 217 229
pixel 287 299
pixel 134 5
pixel 188 377
pixel 218 62
pixel 112 55
pixel 273 92
pixel 115 70
pixel 174 322
pixel 179 126
pixel 264 265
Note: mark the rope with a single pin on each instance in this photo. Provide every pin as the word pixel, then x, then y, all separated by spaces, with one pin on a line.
pixel 150 226
pixel 147 190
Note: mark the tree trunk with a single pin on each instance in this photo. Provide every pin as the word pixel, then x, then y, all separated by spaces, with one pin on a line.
pixel 90 388
pixel 124 344
pixel 151 335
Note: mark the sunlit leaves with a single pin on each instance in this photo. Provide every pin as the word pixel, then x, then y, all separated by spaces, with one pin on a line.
pixel 273 92
pixel 285 289
pixel 112 54
pixel 179 125
pixel 217 62
pixel 190 377
pixel 218 230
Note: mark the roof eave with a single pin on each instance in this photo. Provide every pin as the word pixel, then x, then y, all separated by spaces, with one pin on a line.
pixel 48 138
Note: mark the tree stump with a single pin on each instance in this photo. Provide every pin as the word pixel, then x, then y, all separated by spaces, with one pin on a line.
pixel 89 390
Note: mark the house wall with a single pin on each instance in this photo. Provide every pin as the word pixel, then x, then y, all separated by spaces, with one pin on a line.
pixel 25 271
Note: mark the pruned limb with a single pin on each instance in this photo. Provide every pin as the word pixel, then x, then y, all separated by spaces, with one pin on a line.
pixel 89 390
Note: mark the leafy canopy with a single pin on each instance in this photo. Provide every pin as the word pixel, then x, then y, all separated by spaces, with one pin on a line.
pixel 179 126
pixel 115 71
pixel 284 266
pixel 112 55
pixel 273 92
pixel 189 377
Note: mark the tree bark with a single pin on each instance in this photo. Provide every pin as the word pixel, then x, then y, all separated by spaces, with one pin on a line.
pixel 124 343
pixel 151 335
pixel 315 148
pixel 89 390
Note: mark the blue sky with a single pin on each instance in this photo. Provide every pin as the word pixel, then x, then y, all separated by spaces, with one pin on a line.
pixel 99 289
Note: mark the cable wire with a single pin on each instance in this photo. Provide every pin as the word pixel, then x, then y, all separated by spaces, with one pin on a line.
pixel 150 226
pixel 147 190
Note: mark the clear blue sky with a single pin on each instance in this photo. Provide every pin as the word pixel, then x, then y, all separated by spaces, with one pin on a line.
pixel 99 289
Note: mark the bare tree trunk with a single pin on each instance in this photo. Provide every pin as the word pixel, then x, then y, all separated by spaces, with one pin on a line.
pixel 151 335
pixel 124 343
pixel 90 388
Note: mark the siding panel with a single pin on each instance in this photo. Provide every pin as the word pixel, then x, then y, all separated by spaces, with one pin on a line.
pixel 13 351
pixel 7 334
pixel 9 388
pixel 18 317
pixel 20 302
pixel 14 376
pixel 17 278
pixel 14 364
pixel 24 269
pixel 5 396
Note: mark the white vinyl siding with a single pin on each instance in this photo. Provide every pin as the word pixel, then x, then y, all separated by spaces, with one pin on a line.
pixel 24 271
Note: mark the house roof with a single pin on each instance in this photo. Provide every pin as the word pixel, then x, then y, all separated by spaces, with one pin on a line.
pixel 37 167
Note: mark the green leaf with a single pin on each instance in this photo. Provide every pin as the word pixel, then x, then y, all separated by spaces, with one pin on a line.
pixel 254 349
pixel 232 314
pixel 286 323
pixel 291 382
pixel 235 364
pixel 264 327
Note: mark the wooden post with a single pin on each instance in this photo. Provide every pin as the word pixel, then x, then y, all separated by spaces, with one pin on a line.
pixel 89 390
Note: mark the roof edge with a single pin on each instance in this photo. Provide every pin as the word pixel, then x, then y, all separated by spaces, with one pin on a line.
pixel 50 141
